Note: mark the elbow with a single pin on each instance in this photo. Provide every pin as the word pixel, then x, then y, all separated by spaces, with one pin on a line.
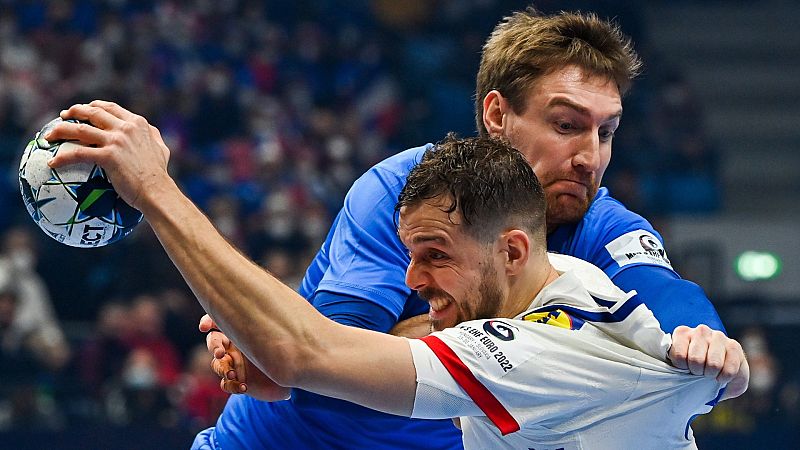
pixel 292 364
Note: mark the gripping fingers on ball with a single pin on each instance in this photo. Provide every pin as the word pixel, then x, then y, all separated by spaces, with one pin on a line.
pixel 77 154
pixel 71 131
pixel 117 111
pixel 97 116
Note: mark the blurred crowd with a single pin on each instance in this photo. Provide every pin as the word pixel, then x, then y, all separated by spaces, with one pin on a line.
pixel 271 109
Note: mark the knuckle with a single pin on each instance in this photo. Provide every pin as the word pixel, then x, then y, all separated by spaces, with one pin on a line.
pixel 681 330
pixel 127 127
pixel 695 360
pixel 680 353
pixel 715 363
pixel 733 346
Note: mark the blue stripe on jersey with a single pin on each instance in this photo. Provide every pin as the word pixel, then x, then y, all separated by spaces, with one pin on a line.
pixel 605 316
pixel 710 403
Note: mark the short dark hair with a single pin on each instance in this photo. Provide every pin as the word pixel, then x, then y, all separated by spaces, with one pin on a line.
pixel 528 45
pixel 489 182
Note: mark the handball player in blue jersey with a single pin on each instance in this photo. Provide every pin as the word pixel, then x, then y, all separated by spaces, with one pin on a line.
pixel 552 87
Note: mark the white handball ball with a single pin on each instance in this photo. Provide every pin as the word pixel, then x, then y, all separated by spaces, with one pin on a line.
pixel 74 204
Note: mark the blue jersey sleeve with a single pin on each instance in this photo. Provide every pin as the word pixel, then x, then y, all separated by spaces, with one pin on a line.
pixel 669 296
pixel 354 312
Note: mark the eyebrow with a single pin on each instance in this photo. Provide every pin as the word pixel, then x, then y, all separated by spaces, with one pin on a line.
pixel 425 239
pixel 563 101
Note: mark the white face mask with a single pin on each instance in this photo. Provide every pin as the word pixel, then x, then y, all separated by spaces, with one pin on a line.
pixel 279 227
pixel 762 380
pixel 22 259
pixel 139 377
pixel 314 228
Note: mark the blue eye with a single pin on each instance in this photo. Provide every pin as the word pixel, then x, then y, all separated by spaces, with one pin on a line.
pixel 436 256
pixel 606 135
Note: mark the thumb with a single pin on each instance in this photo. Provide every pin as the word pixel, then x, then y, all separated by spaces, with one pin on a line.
pixel 207 324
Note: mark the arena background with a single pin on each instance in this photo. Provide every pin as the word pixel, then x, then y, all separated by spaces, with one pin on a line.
pixel 273 108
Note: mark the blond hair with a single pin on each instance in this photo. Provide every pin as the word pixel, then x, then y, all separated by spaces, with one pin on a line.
pixel 527 45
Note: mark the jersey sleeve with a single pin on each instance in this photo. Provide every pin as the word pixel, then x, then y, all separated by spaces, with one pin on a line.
pixel 447 385
pixel 518 377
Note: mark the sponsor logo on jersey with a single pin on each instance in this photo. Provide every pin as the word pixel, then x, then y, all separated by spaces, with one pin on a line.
pixel 499 329
pixel 638 246
pixel 557 318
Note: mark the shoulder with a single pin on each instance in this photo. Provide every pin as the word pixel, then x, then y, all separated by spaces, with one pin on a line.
pixel 590 277
pixel 375 192
pixel 611 236
pixel 400 164
pixel 607 214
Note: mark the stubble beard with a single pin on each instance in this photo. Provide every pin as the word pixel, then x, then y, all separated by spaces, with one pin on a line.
pixel 486 305
pixel 562 212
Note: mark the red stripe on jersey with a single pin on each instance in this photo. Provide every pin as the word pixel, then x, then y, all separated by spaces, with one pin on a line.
pixel 479 394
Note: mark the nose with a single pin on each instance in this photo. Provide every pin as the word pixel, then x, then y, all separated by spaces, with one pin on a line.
pixel 587 158
pixel 416 277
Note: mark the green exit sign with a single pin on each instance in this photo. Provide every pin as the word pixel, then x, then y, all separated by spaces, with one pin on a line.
pixel 756 266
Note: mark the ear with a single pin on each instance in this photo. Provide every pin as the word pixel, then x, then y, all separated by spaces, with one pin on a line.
pixel 518 247
pixel 495 107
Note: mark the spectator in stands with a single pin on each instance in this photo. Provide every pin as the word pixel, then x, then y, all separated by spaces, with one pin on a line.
pixel 197 393
pixel 23 357
pixel 34 318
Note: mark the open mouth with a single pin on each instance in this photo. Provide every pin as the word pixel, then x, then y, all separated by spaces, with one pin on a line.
pixel 440 308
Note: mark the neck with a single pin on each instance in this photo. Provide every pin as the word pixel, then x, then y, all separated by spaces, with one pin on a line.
pixel 538 274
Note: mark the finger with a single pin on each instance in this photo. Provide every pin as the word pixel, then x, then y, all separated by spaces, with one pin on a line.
pixel 734 358
pixel 217 344
pixel 716 355
pixel 239 364
pixel 224 368
pixel 233 387
pixel 698 349
pixel 114 109
pixel 72 153
pixel 71 131
pixel 97 116
pixel 738 385
pixel 679 351
pixel 221 367
pixel 207 324
pixel 227 386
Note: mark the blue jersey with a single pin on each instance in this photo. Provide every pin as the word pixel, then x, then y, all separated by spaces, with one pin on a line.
pixel 362 258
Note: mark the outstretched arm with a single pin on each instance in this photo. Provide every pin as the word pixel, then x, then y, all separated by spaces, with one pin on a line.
pixel 282 333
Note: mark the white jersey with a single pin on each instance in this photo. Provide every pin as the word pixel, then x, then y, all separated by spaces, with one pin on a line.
pixel 584 368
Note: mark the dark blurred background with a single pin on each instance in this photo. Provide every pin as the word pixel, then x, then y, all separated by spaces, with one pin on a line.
pixel 273 108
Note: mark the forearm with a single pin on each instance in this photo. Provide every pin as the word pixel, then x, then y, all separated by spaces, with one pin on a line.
pixel 674 301
pixel 256 310
pixel 273 325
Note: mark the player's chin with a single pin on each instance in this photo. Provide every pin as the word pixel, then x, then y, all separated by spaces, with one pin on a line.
pixel 563 209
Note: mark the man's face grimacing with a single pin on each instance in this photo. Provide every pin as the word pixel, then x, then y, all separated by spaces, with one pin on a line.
pixel 456 274
pixel 565 132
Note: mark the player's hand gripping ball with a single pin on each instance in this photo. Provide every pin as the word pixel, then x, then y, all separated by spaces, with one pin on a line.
pixel 74 204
